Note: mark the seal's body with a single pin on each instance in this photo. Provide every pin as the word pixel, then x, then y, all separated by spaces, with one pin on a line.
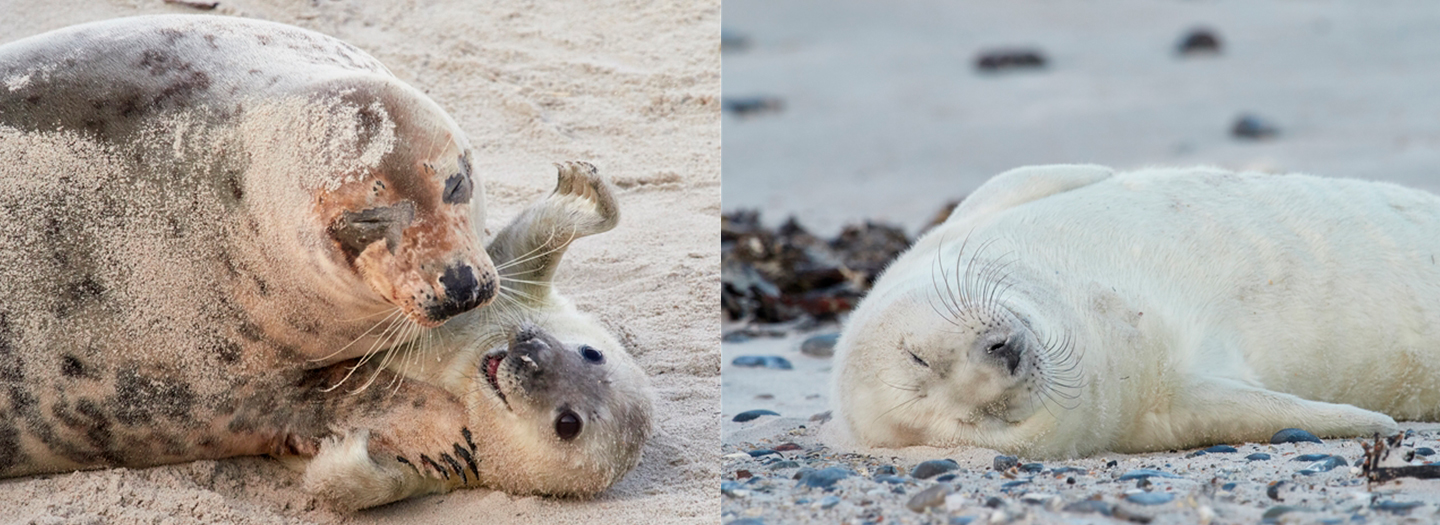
pixel 1065 310
pixel 198 215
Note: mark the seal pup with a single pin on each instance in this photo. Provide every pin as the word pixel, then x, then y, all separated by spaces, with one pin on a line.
pixel 545 400
pixel 1062 311
pixel 198 215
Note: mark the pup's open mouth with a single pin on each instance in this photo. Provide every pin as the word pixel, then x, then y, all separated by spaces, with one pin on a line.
pixel 492 374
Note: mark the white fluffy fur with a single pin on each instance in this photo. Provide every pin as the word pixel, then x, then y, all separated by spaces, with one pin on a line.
pixel 344 473
pixel 1204 306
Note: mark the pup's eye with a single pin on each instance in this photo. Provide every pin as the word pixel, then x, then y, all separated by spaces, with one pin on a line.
pixel 568 425
pixel 917 359
pixel 591 354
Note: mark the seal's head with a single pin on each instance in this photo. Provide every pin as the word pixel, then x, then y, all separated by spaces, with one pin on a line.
pixel 566 409
pixel 405 224
pixel 927 366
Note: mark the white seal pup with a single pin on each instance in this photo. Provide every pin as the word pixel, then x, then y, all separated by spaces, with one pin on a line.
pixel 198 214
pixel 556 404
pixel 1061 311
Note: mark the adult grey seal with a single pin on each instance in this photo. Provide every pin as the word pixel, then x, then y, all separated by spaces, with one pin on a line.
pixel 198 215
pixel 1061 311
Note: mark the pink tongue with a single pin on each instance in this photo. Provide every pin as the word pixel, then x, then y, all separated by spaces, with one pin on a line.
pixel 492 367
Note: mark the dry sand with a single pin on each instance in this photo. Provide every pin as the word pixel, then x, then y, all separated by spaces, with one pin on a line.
pixel 885 118
pixel 631 86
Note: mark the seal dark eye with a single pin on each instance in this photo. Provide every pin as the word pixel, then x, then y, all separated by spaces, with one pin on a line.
pixel 591 354
pixel 567 426
pixel 917 360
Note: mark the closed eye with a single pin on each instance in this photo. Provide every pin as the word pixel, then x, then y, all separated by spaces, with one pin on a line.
pixel 917 359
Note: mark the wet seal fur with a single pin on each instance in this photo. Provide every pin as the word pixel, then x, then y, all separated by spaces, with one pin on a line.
pixel 200 216
pixel 554 403
pixel 1062 311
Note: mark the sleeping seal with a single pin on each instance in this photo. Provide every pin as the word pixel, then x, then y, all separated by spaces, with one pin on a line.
pixel 1062 311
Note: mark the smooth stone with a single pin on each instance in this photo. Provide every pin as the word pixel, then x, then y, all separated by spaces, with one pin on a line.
pixel 1221 449
pixel 1258 456
pixel 1253 127
pixel 961 520
pixel 1032 467
pixel 1068 470
pixel 931 497
pixel 1091 506
pixel 1014 484
pixel 933 468
pixel 1196 41
pixel 1273 491
pixel 1310 457
pixel 1196 454
pixel 1146 473
pixel 994 502
pixel 829 502
pixel 1003 463
pixel 750 415
pixel 1151 498
pixel 1010 59
pixel 887 470
pixel 1294 435
pixel 824 478
pixel 893 480
pixel 732 489
pixel 1275 512
pixel 1424 451
pixel 745 106
pixel 822 345
pixel 1324 465
pixel 761 452
pixel 945 478
pixel 1397 507
pixel 1228 486
pixel 763 361
pixel 746 521
pixel 784 464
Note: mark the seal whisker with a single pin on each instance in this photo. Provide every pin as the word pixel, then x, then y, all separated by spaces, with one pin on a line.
pixel 362 335
pixel 368 353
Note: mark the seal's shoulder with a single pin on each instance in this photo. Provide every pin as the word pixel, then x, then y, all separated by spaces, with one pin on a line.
pixel 1030 183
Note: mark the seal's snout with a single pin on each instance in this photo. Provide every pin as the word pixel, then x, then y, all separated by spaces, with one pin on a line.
pixel 1007 351
pixel 464 290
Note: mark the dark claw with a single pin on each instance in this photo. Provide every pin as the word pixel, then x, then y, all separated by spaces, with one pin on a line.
pixel 407 462
pixel 466 432
pixel 469 460
pixel 435 466
pixel 454 464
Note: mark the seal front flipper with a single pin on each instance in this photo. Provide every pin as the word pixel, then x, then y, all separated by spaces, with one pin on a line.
pixel 528 250
pixel 1222 410
pixel 1022 185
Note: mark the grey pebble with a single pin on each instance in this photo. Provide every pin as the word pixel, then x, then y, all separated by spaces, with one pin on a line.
pixel 1091 506
pixel 824 478
pixel 931 497
pixel 822 345
pixel 784 464
pixel 1014 484
pixel 1151 498
pixel 994 502
pixel 763 361
pixel 961 520
pixel 1032 467
pixel 1003 463
pixel 1221 449
pixel 1253 127
pixel 746 521
pixel 1273 491
pixel 1397 507
pixel 1069 470
pixel 886 470
pixel 1146 473
pixel 1424 451
pixel 1258 456
pixel 750 415
pixel 1196 454
pixel 893 480
pixel 728 488
pixel 746 106
pixel 1197 41
pixel 945 477
pixel 761 452
pixel 1324 465
pixel 1228 486
pixel 1294 435
pixel 1310 457
pixel 829 502
pixel 1274 513
pixel 934 467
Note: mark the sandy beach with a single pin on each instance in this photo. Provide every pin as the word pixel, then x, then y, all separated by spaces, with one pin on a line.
pixel 630 86
pixel 878 112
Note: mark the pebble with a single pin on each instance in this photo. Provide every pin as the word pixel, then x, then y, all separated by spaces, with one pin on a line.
pixel 784 464
pixel 828 502
pixel 1198 41
pixel 750 415
pixel 822 345
pixel 997 60
pixel 1014 484
pixel 888 470
pixel 1196 454
pixel 894 480
pixel 1032 467
pixel 824 478
pixel 1228 486
pixel 931 497
pixel 1294 435
pixel 1424 451
pixel 945 477
pixel 1003 463
pixel 1397 507
pixel 1068 470
pixel 1151 498
pixel 1258 456
pixel 746 521
pixel 1273 491
pixel 1324 465
pixel 732 41
pixel 961 520
pixel 763 361
pixel 749 106
pixel 1274 513
pixel 933 468
pixel 1146 473
pixel 1221 449
pixel 994 502
pixel 1249 126
pixel 1091 506
pixel 761 452
pixel 1310 457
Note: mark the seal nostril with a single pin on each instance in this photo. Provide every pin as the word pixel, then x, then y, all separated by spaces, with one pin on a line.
pixel 568 425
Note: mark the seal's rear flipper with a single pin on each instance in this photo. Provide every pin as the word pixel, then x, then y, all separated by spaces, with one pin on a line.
pixel 528 250
pixel 1220 410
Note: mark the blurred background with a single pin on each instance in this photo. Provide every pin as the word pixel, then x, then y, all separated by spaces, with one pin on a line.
pixel 838 111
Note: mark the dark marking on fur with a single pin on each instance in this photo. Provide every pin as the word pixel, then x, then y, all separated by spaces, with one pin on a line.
pixel 91 421
pixel 228 351
pixel 140 399
pixel 10 453
pixel 250 332
pixel 71 367
pixel 455 465
pixel 469 460
pixel 356 231
pixel 12 370
pixel 419 402
pixel 77 294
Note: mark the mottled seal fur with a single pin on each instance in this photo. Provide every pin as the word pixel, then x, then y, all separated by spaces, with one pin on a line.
pixel 1066 310
pixel 197 216
pixel 556 404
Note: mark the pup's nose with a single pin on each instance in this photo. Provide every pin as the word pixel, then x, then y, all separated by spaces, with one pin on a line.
pixel 463 291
